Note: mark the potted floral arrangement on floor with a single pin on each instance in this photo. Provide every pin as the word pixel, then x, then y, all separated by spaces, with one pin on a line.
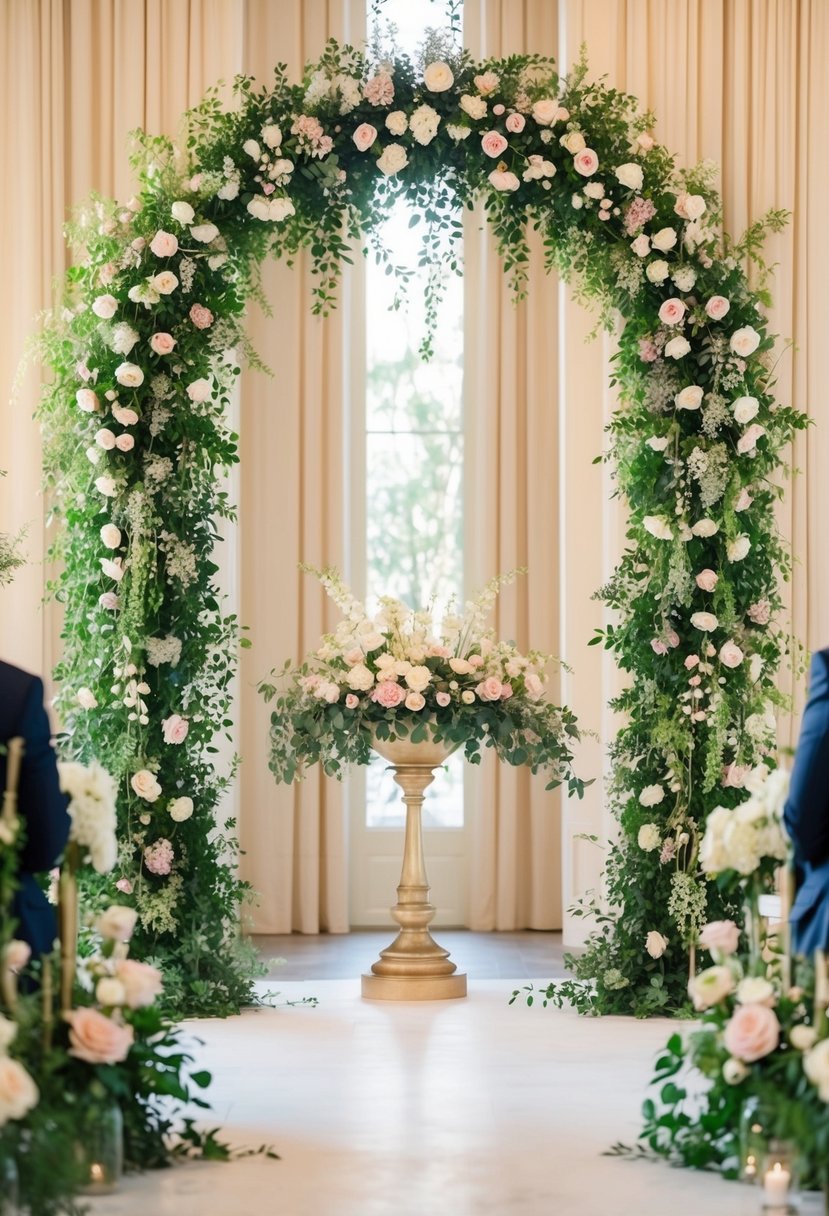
pixel 398 674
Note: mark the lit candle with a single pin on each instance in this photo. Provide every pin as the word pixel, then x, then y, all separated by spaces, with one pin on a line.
pixel 96 1172
pixel 776 1185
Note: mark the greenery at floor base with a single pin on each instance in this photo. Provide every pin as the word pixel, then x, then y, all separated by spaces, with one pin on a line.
pixel 145 349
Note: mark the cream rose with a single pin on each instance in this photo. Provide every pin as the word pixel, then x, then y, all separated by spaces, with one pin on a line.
pixel 96 1038
pixel 8 1029
pixel 717 307
pixel 722 936
pixel 752 1033
pixel 705 527
pixel 664 239
pixel 672 311
pixel 651 795
pixel 392 160
pixel 744 341
pixel 641 245
pixel 706 622
pixel 360 677
pixel 145 785
pixel 86 698
pixel 656 944
pixel 744 409
pixel 105 307
pixel 205 234
pixel 657 271
pixel 802 1038
pixel 545 112
pixel 689 398
pixel 180 809
pixel 731 655
pixel 199 391
pixel 129 375
pixel 109 992
pixel 142 983
pixel 438 77
pixel 574 142
pixel 586 162
pixel 117 923
pixel 397 122
pixel 707 580
pixel 16 955
pixel 755 990
pixel 164 244
pixel 816 1067
pixel 710 987
pixel 418 678
pixel 658 526
pixel 734 1071
pixel 87 400
pixel 649 837
pixel 105 439
pixel 124 415
pixel 473 105
pixel 182 212
pixel 164 283
pixel 415 701
pixel 748 441
pixel 18 1092
pixel 738 549
pixel 504 182
pixel 677 348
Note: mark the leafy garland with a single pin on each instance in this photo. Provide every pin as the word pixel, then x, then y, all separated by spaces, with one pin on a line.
pixel 145 354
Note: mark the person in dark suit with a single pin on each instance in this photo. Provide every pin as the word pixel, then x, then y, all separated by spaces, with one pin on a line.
pixel 40 803
pixel 807 815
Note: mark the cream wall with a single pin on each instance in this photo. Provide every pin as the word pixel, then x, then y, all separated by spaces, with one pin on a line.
pixel 742 82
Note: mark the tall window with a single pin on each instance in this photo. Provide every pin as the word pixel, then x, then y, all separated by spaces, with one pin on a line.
pixel 413 445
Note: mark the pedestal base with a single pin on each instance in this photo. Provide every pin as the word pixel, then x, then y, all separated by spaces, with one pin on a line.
pixel 413 988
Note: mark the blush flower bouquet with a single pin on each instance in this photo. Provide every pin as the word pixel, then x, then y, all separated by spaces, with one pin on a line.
pixel 400 675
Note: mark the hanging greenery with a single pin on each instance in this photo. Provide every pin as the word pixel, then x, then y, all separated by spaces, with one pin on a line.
pixel 145 350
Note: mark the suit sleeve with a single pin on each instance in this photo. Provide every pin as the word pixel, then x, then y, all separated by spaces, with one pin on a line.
pixel 40 802
pixel 807 809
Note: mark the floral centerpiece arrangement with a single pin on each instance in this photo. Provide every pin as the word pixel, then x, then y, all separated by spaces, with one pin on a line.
pixel 83 1043
pixel 397 674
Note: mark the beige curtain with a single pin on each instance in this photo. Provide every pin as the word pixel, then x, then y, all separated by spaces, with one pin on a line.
pixel 742 82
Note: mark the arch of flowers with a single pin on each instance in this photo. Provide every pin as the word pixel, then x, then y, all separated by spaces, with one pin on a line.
pixel 145 352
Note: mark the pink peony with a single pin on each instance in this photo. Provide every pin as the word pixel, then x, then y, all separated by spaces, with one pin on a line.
pixel 164 244
pixel 162 343
pixel 175 729
pixel 443 699
pixel 721 935
pixel 717 307
pixel 672 311
pixel 379 91
pixel 707 580
pixel 142 983
pixel 515 123
pixel 201 317
pixel 158 857
pixel 752 1032
pixel 388 694
pixel 493 143
pixel 648 353
pixel 364 136
pixel 96 1038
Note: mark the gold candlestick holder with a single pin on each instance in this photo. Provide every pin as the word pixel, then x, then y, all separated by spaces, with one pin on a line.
pixel 414 967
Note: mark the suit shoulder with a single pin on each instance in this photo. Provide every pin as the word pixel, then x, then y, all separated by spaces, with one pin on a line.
pixel 18 690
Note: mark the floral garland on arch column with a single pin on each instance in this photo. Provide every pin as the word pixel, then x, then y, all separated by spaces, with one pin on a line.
pixel 148 345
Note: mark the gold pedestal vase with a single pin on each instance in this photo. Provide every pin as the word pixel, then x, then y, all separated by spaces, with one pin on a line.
pixel 414 967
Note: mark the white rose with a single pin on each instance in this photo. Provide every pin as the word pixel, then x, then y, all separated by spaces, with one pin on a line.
pixel 86 698
pixel 473 105
pixel 574 142
pixel 124 338
pixel 105 307
pixel 710 987
pixel 664 239
pixel 111 536
pixel 117 923
pixel 594 190
pixel 438 77
pixel 658 442
pixel 689 398
pixel 105 439
pixel 685 277
pixel 631 175
pixel 738 548
pixel 467 696
pixel 744 409
pixel 183 212
pixel 252 148
pixel 744 341
pixel 734 1071
pixel 145 785
pixel 658 526
pixel 129 375
pixel 545 111
pixel 424 124
pixel 272 135
pixel 704 621
pixel 677 347
pixel 229 190
pixel 360 679
pixel 657 271
pixel 652 795
pixel 199 391
pixel 755 990
pixel 705 528
pixel 641 245
pixel 106 486
pixel 649 837
pixel 816 1067
pixel 392 159
pixel 418 678
pixel 802 1038
pixel 656 944
pixel 204 233
pixel 456 131
pixel 180 809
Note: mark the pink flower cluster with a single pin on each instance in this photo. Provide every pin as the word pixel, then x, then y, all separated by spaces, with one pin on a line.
pixel 379 91
pixel 637 214
pixel 158 857
pixel 311 137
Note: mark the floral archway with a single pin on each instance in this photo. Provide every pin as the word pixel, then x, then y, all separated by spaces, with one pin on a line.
pixel 145 356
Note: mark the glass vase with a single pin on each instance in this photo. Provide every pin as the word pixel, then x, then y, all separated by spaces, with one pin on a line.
pixel 781 1178
pixel 757 1126
pixel 101 1148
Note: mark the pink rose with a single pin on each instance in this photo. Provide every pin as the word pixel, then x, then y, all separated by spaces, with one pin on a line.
pixel 201 317
pixel 109 600
pixel 475 661
pixel 760 613
pixel 586 162
pixel 493 143
pixel 722 935
pixel 506 692
pixel 717 307
pixel 672 311
pixel 641 246
pixel 124 884
pixel 533 685
pixel 515 123
pixel 734 777
pixel 142 983
pixel 175 729
pixel 162 343
pixel 164 244
pixel 731 655
pixel 489 689
pixel 658 646
pixel 364 136
pixel 415 701
pixel 125 443
pixel 199 390
pixel 504 181
pixel 98 1039
pixel 752 1032
pixel 124 415
pixel 87 400
pixel 18 1092
pixel 748 441
pixel 351 701
pixel 707 580
pixel 692 661
pixel 744 500
pixel 443 699
pixel 105 306
pixel 388 694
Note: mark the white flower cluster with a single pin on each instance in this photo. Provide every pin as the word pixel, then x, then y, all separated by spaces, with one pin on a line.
pixel 163 650
pixel 92 794
pixel 740 839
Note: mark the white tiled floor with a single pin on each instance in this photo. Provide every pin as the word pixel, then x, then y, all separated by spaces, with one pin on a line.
pixel 467 1107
